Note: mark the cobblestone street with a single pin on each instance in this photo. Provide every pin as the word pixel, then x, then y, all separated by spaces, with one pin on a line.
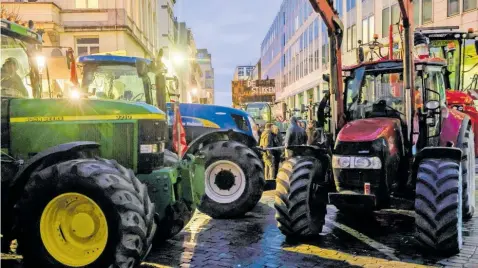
pixel 384 240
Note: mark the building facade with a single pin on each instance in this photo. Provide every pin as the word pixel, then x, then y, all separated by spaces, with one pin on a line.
pixel 294 51
pixel 186 65
pixel 204 60
pixel 89 27
pixel 243 72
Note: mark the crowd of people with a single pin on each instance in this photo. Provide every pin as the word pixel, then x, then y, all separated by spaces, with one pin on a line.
pixel 298 133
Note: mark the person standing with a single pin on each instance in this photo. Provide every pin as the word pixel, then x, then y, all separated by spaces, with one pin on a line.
pixel 312 134
pixel 277 141
pixel 295 135
pixel 268 157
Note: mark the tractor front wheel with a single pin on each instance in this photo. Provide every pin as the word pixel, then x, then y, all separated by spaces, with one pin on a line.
pixel 438 205
pixel 234 180
pixel 301 197
pixel 467 146
pixel 85 212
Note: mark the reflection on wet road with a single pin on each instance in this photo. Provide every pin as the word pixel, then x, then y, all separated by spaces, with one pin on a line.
pixel 382 240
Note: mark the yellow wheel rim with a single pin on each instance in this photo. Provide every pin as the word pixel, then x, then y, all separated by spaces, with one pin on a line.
pixel 74 229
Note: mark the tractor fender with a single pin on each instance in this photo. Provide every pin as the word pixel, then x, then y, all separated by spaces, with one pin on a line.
pixel 221 135
pixel 51 154
pixel 454 124
pixel 452 153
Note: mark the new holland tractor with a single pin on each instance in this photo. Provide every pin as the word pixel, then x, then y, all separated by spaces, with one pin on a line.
pixel 376 131
pixel 234 177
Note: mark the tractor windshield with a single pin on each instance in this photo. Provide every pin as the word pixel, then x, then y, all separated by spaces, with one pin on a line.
pixel 15 76
pixel 369 88
pixel 466 60
pixel 114 81
pixel 259 111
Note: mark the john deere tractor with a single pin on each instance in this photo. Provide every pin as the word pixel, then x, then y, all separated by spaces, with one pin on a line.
pixel 234 177
pixel 66 206
pixel 391 140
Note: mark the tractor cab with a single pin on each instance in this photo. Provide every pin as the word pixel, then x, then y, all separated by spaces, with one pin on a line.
pixel 19 70
pixel 116 78
pixel 261 112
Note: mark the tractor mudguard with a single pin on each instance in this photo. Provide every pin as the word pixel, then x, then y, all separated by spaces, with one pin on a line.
pixel 51 155
pixel 452 126
pixel 452 153
pixel 320 153
pixel 222 135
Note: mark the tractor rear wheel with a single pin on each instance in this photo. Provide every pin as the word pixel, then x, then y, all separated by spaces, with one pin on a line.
pixel 438 205
pixel 234 179
pixel 467 146
pixel 85 212
pixel 301 197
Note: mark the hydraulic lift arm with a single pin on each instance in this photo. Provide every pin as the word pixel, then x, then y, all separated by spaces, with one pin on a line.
pixel 406 8
pixel 335 28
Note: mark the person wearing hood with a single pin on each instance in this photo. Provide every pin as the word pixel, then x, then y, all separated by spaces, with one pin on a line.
pixel 267 141
pixel 312 133
pixel 295 135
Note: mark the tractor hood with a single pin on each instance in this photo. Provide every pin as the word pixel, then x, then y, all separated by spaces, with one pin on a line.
pixel 34 110
pixel 368 129
pixel 454 97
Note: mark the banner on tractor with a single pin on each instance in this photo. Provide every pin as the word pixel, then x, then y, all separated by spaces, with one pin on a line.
pixel 244 91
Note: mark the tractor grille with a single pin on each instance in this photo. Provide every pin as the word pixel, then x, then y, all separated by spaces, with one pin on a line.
pixel 354 179
pixel 117 140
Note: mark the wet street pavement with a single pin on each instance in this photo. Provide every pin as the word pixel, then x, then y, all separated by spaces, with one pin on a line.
pixel 384 240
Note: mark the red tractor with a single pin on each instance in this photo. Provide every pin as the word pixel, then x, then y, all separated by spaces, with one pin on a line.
pixel 460 50
pixel 377 122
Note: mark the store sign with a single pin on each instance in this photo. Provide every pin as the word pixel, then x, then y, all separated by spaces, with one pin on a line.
pixel 253 90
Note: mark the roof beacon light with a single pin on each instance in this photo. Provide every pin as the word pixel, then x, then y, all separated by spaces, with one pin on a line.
pixel 421 46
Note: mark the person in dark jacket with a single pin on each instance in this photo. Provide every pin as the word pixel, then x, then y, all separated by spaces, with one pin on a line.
pixel 267 141
pixel 277 142
pixel 295 135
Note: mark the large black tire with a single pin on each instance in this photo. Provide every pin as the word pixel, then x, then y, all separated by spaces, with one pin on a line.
pixel 120 195
pixel 467 145
pixel 176 218
pixel 438 206
pixel 243 185
pixel 301 197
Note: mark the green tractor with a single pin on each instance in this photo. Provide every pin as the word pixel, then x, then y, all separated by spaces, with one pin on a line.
pixel 66 206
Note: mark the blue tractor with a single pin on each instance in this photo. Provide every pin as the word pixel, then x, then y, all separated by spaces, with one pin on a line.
pixel 234 176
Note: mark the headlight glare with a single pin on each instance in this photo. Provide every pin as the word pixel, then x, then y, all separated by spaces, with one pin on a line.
pixel 356 162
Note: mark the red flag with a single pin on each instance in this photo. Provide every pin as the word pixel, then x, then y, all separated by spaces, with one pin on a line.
pixel 73 74
pixel 179 134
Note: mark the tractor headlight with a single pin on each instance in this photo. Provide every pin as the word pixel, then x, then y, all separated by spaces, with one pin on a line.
pixel 148 148
pixel 358 162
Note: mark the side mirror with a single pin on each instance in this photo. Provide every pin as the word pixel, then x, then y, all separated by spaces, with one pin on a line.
pixel 141 68
pixel 326 77
pixel 325 91
pixel 432 105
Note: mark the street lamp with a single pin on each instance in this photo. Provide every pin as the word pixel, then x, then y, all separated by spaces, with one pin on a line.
pixel 194 91
pixel 40 63
pixel 178 58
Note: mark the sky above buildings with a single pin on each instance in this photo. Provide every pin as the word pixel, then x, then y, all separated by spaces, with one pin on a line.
pixel 232 31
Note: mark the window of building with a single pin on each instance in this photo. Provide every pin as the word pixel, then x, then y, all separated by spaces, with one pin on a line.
pixel 371 27
pixel 469 4
pixel 87 45
pixel 427 11
pixel 453 7
pixel 365 36
pixel 416 12
pixel 351 4
pixel 86 3
pixel 395 17
pixel 354 36
pixel 349 38
pixel 385 21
